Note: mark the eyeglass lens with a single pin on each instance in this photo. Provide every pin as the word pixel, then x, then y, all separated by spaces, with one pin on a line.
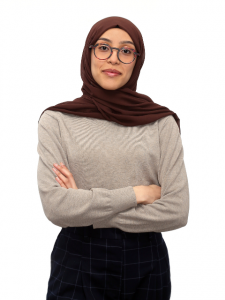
pixel 104 51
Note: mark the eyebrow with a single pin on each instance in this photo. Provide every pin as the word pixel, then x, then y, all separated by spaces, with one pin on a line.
pixel 122 42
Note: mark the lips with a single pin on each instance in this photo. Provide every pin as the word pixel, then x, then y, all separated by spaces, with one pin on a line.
pixel 114 71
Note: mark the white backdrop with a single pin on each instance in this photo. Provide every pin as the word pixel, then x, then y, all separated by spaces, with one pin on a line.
pixel 40 54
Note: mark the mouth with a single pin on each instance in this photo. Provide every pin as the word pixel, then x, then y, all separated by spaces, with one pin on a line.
pixel 111 73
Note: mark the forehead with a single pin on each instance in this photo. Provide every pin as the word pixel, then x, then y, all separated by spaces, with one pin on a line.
pixel 116 31
pixel 116 36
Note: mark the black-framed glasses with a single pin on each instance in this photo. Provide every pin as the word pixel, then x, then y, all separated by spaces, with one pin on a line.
pixel 103 51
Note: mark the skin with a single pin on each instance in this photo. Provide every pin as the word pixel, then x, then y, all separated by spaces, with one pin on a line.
pixel 144 194
pixel 97 66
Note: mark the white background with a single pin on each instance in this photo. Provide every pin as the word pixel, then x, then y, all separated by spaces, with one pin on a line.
pixel 40 55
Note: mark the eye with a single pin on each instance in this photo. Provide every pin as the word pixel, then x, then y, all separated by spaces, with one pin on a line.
pixel 103 47
pixel 129 52
pixel 106 47
pixel 126 51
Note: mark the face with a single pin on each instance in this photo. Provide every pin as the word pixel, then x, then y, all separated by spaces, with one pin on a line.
pixel 115 35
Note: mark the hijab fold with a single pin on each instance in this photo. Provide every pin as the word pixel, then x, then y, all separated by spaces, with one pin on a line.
pixel 124 106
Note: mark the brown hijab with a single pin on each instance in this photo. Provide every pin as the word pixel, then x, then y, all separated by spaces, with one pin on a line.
pixel 124 105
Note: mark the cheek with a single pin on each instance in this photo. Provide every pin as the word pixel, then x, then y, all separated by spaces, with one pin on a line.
pixel 93 62
pixel 129 71
pixel 95 65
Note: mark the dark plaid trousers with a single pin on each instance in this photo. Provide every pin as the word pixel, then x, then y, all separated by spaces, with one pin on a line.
pixel 109 264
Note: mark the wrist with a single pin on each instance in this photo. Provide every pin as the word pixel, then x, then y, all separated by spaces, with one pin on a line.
pixel 139 201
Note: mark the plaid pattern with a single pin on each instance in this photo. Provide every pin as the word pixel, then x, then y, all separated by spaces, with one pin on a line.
pixel 109 264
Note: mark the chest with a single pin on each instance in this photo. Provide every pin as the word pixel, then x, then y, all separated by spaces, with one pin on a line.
pixel 98 148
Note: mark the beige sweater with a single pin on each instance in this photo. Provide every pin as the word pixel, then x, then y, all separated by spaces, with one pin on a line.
pixel 107 159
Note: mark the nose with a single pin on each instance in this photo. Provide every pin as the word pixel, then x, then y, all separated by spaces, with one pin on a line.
pixel 114 58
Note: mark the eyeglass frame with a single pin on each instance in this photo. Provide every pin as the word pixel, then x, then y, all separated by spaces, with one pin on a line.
pixel 135 53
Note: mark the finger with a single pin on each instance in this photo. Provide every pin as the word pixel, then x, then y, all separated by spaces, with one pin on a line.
pixel 63 169
pixel 62 177
pixel 60 182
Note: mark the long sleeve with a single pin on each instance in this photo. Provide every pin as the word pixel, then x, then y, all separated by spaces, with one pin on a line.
pixel 171 211
pixel 70 207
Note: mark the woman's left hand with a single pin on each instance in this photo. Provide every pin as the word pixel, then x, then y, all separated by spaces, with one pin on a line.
pixel 64 176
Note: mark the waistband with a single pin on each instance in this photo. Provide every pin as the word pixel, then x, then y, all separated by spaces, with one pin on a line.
pixel 111 233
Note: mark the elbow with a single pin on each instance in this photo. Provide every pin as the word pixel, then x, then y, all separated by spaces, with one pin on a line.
pixel 53 214
pixel 52 207
pixel 183 223
pixel 55 218
pixel 184 219
pixel 184 212
pixel 65 219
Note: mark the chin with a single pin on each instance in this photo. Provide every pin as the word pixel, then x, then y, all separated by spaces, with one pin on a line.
pixel 110 86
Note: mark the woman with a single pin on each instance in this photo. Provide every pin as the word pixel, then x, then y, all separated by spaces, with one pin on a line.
pixel 111 174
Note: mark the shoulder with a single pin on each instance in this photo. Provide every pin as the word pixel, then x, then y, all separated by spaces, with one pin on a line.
pixel 168 124
pixel 49 124
pixel 50 119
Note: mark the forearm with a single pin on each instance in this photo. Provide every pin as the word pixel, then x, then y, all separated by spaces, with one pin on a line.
pixel 170 212
pixel 79 207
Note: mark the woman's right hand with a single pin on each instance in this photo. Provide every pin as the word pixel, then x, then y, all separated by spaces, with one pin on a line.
pixel 147 194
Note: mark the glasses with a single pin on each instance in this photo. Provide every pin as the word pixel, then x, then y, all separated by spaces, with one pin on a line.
pixel 125 55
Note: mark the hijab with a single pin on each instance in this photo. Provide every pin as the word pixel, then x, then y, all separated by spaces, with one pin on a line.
pixel 124 105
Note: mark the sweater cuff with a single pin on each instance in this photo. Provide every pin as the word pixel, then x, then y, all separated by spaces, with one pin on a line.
pixel 122 199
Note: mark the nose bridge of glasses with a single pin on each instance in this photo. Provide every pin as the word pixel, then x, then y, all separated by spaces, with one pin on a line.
pixel 116 51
